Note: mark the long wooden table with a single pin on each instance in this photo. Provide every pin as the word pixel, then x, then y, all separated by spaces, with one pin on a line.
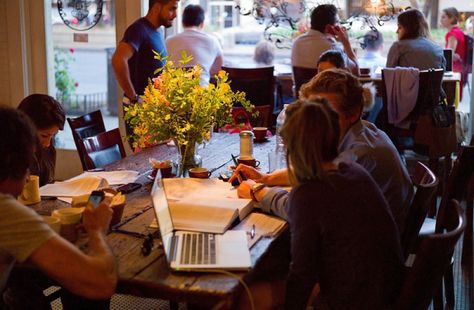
pixel 149 276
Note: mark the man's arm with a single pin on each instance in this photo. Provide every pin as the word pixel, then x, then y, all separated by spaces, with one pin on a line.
pixel 92 275
pixel 341 36
pixel 120 59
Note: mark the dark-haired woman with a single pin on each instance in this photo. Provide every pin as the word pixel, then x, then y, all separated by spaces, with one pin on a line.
pixel 414 48
pixel 343 236
pixel 48 117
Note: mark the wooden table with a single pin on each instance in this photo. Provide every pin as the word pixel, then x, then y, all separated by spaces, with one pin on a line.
pixel 149 276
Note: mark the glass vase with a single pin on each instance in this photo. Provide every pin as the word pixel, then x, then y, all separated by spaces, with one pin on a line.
pixel 188 158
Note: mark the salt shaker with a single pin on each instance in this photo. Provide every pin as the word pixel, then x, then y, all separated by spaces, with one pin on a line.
pixel 246 144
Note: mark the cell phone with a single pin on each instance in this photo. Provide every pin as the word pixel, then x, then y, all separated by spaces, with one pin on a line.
pixel 330 29
pixel 128 188
pixel 95 198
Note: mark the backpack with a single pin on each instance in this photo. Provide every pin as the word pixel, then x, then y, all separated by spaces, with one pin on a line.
pixel 469 49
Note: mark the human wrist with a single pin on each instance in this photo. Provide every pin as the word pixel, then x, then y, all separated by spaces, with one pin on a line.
pixel 256 191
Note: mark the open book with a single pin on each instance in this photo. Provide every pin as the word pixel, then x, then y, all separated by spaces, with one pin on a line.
pixel 73 187
pixel 206 205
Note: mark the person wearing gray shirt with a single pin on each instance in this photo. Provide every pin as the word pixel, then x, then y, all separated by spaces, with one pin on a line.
pixel 360 142
pixel 413 48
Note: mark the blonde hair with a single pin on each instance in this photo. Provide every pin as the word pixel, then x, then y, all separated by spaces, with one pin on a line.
pixel 311 136
pixel 354 97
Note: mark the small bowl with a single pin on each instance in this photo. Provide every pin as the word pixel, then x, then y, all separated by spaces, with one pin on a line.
pixel 200 173
pixel 68 215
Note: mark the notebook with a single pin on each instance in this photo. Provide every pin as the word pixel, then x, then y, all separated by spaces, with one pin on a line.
pixel 195 251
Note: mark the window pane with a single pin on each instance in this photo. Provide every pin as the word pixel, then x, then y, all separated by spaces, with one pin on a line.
pixel 84 81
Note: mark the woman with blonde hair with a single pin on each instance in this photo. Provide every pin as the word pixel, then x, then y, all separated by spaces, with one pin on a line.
pixel 335 210
pixel 414 47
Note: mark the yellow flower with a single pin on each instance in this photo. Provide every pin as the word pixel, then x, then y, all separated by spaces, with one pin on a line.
pixel 175 106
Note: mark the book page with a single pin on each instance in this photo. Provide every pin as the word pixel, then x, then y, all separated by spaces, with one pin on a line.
pixel 196 217
pixel 213 193
pixel 73 188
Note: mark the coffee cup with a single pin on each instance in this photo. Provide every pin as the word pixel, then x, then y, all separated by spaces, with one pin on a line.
pixel 260 133
pixel 53 222
pixel 249 162
pixel 200 173
pixel 69 218
pixel 30 194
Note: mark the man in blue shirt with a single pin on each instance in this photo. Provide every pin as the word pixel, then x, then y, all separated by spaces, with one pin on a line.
pixel 133 60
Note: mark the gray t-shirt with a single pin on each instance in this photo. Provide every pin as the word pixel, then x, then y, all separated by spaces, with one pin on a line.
pixel 420 53
pixel 22 231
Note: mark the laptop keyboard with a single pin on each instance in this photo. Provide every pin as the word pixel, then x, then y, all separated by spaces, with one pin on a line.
pixel 198 249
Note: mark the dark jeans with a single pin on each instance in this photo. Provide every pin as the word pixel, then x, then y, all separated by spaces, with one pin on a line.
pixel 25 291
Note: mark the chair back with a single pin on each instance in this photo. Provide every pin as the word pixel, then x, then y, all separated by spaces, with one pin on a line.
pixel 301 76
pixel 84 126
pixel 428 137
pixel 433 257
pixel 103 149
pixel 456 188
pixel 426 183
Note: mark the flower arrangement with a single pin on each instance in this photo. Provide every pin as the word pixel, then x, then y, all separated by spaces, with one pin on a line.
pixel 65 83
pixel 175 106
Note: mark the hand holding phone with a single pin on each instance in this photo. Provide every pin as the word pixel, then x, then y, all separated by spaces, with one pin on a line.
pixel 96 198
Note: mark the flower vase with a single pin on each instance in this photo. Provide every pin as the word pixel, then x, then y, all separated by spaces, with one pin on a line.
pixel 188 158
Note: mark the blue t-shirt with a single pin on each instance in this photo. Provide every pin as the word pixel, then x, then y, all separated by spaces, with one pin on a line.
pixel 144 39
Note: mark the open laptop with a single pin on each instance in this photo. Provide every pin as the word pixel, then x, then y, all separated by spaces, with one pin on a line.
pixel 448 55
pixel 194 251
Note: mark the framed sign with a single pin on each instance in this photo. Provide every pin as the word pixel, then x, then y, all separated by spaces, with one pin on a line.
pixel 80 15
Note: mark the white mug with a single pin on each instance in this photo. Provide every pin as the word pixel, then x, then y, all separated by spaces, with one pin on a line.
pixel 30 194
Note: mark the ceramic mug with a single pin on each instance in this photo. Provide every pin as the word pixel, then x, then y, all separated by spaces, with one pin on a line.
pixel 249 162
pixel 30 194
pixel 260 133
pixel 200 173
pixel 69 218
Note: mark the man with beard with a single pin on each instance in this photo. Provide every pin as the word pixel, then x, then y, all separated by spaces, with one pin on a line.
pixel 133 61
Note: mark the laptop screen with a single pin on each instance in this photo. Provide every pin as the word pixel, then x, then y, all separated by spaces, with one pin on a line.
pixel 448 55
pixel 162 213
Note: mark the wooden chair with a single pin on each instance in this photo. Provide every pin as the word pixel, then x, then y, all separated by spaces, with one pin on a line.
pixel 423 136
pixel 103 149
pixel 426 184
pixel 258 85
pixel 85 126
pixel 433 257
pixel 302 75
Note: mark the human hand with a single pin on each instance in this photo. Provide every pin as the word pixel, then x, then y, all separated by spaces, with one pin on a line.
pixel 340 33
pixel 243 191
pixel 98 219
pixel 248 171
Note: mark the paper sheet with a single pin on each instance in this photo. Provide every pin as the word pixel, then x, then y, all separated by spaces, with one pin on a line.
pixel 73 188
pixel 113 177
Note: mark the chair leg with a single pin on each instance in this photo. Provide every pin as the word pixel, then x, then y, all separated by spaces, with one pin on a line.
pixel 438 303
pixel 449 287
pixel 467 247
pixel 433 165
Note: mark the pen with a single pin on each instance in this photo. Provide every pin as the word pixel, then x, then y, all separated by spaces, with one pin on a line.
pixel 242 176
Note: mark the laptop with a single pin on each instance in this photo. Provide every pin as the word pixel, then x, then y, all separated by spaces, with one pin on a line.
pixel 195 251
pixel 448 55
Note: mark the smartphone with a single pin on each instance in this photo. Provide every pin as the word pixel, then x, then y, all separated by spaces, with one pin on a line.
pixel 128 188
pixel 95 198
pixel 330 29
